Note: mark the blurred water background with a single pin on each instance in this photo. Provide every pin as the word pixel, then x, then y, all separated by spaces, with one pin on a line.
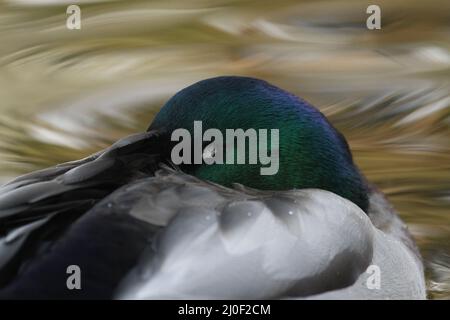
pixel 67 93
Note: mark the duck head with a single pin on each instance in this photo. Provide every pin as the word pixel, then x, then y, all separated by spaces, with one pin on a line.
pixel 311 152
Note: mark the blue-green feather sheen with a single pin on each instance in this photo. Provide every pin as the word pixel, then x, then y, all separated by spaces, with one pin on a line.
pixel 313 154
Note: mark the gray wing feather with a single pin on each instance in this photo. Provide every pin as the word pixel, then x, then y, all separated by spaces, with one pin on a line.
pixel 174 236
pixel 229 244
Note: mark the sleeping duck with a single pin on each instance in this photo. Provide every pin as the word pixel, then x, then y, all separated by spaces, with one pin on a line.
pixel 135 225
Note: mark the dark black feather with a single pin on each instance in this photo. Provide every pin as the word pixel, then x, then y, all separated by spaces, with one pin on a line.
pixel 38 208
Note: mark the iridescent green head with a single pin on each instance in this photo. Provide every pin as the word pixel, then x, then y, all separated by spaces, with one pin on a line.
pixel 312 153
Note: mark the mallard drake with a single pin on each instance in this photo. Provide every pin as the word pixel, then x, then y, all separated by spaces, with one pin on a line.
pixel 139 227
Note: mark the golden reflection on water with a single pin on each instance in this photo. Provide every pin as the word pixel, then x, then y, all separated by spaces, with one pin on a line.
pixel 65 94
